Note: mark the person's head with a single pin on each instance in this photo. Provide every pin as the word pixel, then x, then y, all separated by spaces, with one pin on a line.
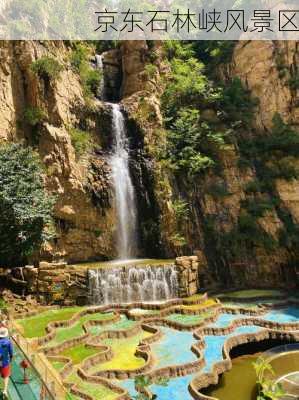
pixel 3 333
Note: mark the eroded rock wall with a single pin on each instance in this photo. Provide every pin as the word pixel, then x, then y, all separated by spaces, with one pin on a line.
pixel 85 218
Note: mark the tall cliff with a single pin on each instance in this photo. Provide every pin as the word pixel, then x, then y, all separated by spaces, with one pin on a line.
pixel 216 212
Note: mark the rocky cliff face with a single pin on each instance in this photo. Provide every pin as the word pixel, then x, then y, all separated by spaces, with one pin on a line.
pixel 84 212
pixel 267 69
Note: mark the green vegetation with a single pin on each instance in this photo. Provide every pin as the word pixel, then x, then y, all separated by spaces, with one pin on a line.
pixel 150 70
pixel 236 104
pixel 34 115
pixel 79 353
pixel 81 141
pixel 25 206
pixel 47 68
pixel 124 353
pixel 58 365
pixel 267 388
pixel 76 330
pixel 36 326
pixel 294 81
pixel 144 382
pixel 218 190
pixel 273 154
pixel 3 304
pixel 200 117
pixel 123 324
pixel 90 78
pixel 189 319
pixel 95 390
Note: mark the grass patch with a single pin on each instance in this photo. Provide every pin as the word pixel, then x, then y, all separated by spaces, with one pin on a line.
pixel 79 353
pixel 36 326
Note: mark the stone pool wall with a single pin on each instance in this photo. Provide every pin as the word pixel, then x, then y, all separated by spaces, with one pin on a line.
pixel 66 284
pixel 188 268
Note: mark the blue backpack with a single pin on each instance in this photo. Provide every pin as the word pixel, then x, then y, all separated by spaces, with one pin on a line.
pixel 4 354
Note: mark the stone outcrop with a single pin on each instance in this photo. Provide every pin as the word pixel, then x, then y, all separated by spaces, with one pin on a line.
pixel 84 212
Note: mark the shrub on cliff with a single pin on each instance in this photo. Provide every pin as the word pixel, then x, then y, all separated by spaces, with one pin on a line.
pixel 46 68
pixel 25 208
pixel 80 61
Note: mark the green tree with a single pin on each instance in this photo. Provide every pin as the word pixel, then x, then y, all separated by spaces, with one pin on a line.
pixel 142 384
pixel 25 208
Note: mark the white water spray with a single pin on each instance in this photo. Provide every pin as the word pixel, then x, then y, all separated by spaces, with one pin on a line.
pixel 124 190
pixel 133 284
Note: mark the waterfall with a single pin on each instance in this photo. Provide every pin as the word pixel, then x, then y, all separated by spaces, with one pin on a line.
pixel 125 203
pixel 100 67
pixel 133 284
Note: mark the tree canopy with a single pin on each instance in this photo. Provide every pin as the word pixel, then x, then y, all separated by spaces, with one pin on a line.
pixel 25 207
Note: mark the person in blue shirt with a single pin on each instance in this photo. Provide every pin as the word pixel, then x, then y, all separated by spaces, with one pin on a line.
pixel 6 354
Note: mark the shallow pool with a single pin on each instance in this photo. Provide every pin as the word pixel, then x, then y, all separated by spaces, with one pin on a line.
pixel 173 348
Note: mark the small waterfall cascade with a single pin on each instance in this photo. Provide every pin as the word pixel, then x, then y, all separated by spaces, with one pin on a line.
pixel 125 202
pixel 100 67
pixel 133 284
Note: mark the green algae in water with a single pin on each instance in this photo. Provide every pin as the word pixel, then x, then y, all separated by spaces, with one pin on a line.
pixel 123 324
pixel 97 391
pixel 58 365
pixel 77 330
pixel 36 326
pixel 79 353
pixel 124 353
pixel 188 319
pixel 239 383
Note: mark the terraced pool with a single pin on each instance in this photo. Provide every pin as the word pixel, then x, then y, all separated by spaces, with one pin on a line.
pixel 168 341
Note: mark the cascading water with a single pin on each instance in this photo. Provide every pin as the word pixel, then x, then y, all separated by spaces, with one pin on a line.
pixel 100 67
pixel 133 284
pixel 124 189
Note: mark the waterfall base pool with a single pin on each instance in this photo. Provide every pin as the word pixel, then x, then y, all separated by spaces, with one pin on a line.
pixel 230 386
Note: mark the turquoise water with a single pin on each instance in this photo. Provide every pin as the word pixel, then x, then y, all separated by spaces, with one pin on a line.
pixel 177 389
pixel 225 320
pixel 283 315
pixel 129 385
pixel 173 348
